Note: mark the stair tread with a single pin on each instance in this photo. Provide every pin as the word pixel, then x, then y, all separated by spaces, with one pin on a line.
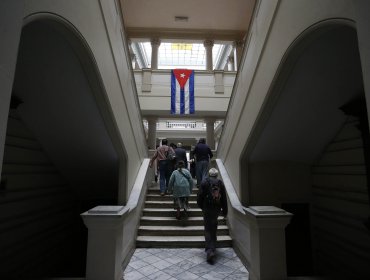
pixel 160 229
pixel 169 228
pixel 167 195
pixel 154 218
pixel 167 201
pixel 163 209
pixel 150 238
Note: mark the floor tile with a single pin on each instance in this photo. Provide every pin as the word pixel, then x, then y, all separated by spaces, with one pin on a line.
pixel 184 264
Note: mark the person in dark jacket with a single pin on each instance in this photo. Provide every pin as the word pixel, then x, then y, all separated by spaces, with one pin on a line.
pixel 202 154
pixel 164 170
pixel 192 162
pixel 212 200
pixel 181 155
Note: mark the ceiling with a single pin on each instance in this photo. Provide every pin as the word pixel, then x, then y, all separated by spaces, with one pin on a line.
pixel 219 20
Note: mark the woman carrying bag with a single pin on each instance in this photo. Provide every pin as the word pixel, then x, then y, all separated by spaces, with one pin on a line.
pixel 180 185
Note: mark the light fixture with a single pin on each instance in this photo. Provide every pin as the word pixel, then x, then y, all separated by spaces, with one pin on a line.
pixel 181 18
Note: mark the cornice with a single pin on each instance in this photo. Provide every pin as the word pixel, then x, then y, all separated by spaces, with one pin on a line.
pixel 185 34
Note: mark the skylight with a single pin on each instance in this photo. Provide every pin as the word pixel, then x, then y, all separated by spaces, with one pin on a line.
pixel 180 55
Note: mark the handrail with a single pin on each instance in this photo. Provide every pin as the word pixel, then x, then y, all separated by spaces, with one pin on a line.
pixel 111 231
pixel 138 185
pixel 233 197
pixel 132 201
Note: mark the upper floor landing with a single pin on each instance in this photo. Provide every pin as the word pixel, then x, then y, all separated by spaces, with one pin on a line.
pixel 212 91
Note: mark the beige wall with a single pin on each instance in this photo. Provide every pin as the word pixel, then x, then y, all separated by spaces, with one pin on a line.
pixel 274 183
pixel 99 25
pixel 341 206
pixel 278 24
pixel 101 40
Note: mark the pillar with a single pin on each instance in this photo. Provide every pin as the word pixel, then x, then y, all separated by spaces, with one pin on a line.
pixel 132 54
pixel 210 127
pixel 266 254
pixel 11 23
pixel 208 44
pixel 155 42
pixel 105 242
pixel 133 60
pixel 152 130
pixel 230 63
pixel 219 81
pixel 238 51
pixel 361 8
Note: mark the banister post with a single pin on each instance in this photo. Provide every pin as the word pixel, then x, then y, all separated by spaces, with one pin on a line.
pixel 104 247
pixel 267 242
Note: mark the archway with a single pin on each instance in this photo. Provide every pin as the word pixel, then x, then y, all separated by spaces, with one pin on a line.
pixel 63 154
pixel 298 128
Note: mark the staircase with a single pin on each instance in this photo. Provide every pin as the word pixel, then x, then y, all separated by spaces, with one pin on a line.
pixel 160 229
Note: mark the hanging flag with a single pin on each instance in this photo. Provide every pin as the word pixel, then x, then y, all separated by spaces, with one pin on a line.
pixel 182 91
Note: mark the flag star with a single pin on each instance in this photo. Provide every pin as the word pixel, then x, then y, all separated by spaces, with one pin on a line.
pixel 182 75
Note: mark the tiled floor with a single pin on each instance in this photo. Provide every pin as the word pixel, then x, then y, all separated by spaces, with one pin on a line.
pixel 184 264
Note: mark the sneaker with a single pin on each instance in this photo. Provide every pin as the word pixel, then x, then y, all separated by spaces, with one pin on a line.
pixel 162 194
pixel 178 214
pixel 210 256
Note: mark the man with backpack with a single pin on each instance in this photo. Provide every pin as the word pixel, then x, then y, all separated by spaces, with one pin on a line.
pixel 212 200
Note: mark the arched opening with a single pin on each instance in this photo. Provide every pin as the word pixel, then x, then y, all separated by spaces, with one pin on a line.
pixel 62 154
pixel 306 155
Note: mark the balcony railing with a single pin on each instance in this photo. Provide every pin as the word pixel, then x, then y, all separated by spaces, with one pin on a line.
pixel 212 91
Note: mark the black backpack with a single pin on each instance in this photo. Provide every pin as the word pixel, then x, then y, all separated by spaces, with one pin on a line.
pixel 170 156
pixel 213 195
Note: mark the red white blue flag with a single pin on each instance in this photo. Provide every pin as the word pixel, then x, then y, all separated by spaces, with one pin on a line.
pixel 182 91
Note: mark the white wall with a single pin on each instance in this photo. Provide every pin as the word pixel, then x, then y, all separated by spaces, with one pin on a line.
pixel 275 28
pixel 11 24
pixel 99 26
pixel 101 42
pixel 341 205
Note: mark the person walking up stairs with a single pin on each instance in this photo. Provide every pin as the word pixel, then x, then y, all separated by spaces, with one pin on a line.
pixel 159 227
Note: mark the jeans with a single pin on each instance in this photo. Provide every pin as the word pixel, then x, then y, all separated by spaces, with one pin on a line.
pixel 201 169
pixel 210 228
pixel 164 175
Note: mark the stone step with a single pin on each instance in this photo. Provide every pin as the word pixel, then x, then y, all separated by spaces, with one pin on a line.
pixel 179 241
pixel 158 197
pixel 166 204
pixel 169 212
pixel 156 191
pixel 172 221
pixel 160 229
pixel 178 230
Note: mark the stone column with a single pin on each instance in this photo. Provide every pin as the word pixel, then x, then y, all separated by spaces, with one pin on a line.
pixel 11 22
pixel 105 241
pixel 238 51
pixel 266 253
pixel 133 60
pixel 152 130
pixel 155 42
pixel 208 44
pixel 210 127
pixel 230 63
pixel 219 81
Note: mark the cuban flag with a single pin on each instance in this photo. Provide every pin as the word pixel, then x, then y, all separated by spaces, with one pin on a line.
pixel 182 91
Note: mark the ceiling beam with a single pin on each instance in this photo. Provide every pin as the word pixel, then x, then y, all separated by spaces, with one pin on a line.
pixel 185 34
